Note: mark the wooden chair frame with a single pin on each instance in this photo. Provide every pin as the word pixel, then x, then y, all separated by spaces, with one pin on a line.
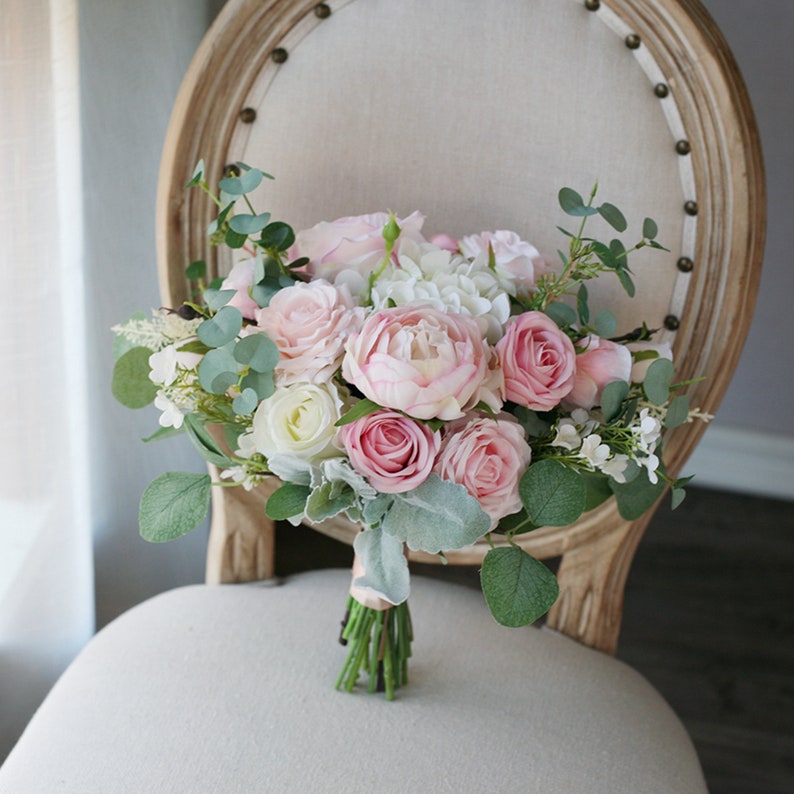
pixel 699 70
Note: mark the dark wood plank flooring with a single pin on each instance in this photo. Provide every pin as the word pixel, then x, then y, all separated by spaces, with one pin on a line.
pixel 708 620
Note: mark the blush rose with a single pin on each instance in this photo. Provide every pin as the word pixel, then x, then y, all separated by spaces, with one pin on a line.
pixel 395 453
pixel 309 323
pixel 487 457
pixel 241 279
pixel 538 361
pixel 601 363
pixel 419 360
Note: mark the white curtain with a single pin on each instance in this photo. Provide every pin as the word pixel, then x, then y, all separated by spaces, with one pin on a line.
pixel 46 580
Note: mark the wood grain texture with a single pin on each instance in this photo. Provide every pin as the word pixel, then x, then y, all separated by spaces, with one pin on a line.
pixel 729 186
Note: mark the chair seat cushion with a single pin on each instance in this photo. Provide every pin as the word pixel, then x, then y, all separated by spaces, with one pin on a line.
pixel 229 688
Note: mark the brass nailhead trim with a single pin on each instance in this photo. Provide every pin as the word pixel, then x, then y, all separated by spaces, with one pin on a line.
pixel 671 322
pixel 633 41
pixel 691 208
pixel 279 55
pixel 231 170
pixel 592 5
pixel 322 11
pixel 683 147
pixel 661 90
pixel 248 115
pixel 685 264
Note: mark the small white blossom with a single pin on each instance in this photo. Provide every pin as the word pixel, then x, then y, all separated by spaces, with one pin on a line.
pixel 648 431
pixel 171 416
pixel 615 467
pixel 162 366
pixel 242 476
pixel 651 463
pixel 567 436
pixel 594 451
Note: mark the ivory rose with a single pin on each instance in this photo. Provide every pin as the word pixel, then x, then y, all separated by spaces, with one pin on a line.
pixel 418 360
pixel 639 369
pixel 487 457
pixel 538 361
pixel 309 323
pixel 601 363
pixel 393 452
pixel 352 243
pixel 241 279
pixel 298 420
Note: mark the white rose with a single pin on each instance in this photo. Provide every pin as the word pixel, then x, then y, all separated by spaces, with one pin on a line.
pixel 298 420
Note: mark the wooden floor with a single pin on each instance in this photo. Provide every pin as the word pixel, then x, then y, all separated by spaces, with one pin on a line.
pixel 709 620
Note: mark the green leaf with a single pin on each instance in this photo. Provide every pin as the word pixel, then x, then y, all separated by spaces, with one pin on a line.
pixel 637 496
pixel 198 175
pixel 278 236
pixel 329 500
pixel 606 255
pixel 288 501
pixel 612 397
pixel 196 270
pixel 677 411
pixel 613 216
pixel 218 370
pixel 581 305
pixel 619 253
pixel 173 504
pixel 234 239
pixel 626 282
pixel 163 433
pixel 238 186
pixel 518 588
pixel 436 516
pixel 263 292
pixel 553 494
pixel 249 224
pixel 534 425
pixel 205 443
pixel 657 381
pixel 605 324
pixel 258 351
pixel 245 403
pixel 221 219
pixel 130 383
pixel 676 497
pixel 573 204
pixel 649 229
pixel 261 382
pixel 218 298
pixel 598 490
pixel 561 313
pixel 363 407
pixel 221 329
pixel 384 563
pixel 516 524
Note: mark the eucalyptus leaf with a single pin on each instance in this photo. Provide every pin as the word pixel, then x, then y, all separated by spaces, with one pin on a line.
pixel 581 305
pixel 263 292
pixel 245 403
pixel 173 504
pixel 163 433
pixel 239 185
pixel 676 497
pixel 205 443
pixel 277 236
pixel 649 229
pixel 258 351
pixel 518 588
pixel 198 175
pixel 572 203
pixel 561 313
pixel 552 494
pixel 130 383
pixel 657 381
pixel 613 216
pixel 437 515
pixel 288 501
pixel 385 566
pixel 218 370
pixel 234 239
pixel 196 270
pixel 249 224
pixel 598 490
pixel 626 282
pixel 221 329
pixel 605 324
pixel 362 408
pixel 677 411
pixel 218 298
pixel 261 382
pixel 612 397
pixel 637 496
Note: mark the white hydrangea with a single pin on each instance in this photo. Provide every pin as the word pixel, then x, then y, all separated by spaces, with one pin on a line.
pixel 432 276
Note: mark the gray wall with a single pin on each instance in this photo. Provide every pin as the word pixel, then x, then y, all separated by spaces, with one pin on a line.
pixel 133 56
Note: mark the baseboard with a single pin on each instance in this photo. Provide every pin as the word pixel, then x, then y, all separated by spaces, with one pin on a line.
pixel 747 461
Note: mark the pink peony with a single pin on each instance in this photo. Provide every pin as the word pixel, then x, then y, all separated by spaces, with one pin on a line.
pixel 395 453
pixel 640 368
pixel 350 243
pixel 515 259
pixel 418 360
pixel 487 457
pixel 538 361
pixel 309 324
pixel 601 362
pixel 241 279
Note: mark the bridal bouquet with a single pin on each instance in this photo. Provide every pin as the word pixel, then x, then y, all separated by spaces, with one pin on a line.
pixel 437 391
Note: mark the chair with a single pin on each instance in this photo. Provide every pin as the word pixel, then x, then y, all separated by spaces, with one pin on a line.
pixel 476 113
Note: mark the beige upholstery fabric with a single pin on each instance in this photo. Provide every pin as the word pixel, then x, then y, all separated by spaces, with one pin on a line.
pixel 230 689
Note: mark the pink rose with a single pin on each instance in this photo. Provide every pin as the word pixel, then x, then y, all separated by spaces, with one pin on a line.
pixel 640 368
pixel 446 242
pixel 393 452
pixel 515 259
pixel 418 360
pixel 487 457
pixel 241 279
pixel 601 362
pixel 350 243
pixel 538 361
pixel 309 323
